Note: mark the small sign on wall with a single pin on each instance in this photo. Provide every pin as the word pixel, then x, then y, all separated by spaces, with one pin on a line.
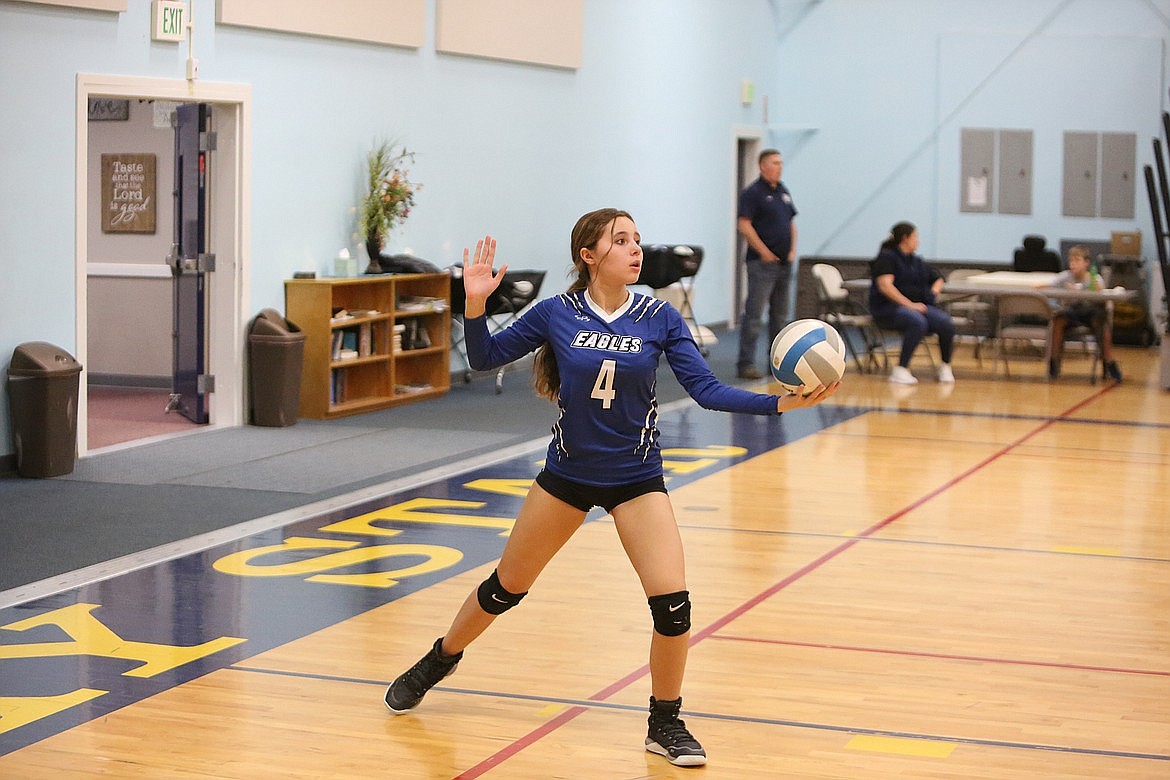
pixel 128 193
pixel 108 109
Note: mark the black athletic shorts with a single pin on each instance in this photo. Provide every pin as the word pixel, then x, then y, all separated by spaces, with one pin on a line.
pixel 585 497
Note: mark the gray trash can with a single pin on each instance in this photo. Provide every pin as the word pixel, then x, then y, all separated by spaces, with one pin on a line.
pixel 276 353
pixel 42 400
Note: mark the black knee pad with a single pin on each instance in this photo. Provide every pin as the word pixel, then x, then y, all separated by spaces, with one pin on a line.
pixel 671 613
pixel 493 599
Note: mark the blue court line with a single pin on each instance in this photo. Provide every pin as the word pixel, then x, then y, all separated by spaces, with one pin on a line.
pixel 852 730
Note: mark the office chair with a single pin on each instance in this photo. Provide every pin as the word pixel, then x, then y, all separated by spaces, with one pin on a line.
pixel 1034 257
pixel 665 264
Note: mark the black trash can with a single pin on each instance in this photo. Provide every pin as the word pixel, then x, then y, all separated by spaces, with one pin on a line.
pixel 42 400
pixel 276 353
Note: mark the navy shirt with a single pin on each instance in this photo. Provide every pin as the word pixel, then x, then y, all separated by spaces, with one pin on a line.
pixel 770 210
pixel 912 276
pixel 607 431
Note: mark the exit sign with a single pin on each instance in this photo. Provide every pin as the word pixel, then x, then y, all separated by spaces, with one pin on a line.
pixel 169 20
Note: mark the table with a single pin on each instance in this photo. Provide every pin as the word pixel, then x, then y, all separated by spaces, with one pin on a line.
pixel 998 283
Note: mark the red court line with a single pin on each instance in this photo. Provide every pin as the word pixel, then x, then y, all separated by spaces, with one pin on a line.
pixel 945 656
pixel 571 714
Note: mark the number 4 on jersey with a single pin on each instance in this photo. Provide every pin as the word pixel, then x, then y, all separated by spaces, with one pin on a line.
pixel 603 387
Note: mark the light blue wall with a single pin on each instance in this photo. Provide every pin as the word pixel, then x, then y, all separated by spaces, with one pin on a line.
pixel 517 150
pixel 890 84
pixel 646 124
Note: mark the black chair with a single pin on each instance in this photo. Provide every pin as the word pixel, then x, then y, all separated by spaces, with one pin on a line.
pixel 665 264
pixel 517 290
pixel 1034 257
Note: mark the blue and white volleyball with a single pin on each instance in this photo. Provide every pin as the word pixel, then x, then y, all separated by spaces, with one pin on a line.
pixel 809 353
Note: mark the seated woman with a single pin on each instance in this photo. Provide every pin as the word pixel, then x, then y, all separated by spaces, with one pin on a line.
pixel 1074 313
pixel 902 298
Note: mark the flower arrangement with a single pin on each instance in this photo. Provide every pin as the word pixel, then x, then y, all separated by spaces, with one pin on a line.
pixel 389 195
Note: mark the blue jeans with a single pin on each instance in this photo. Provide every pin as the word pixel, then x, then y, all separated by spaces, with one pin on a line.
pixel 767 283
pixel 915 325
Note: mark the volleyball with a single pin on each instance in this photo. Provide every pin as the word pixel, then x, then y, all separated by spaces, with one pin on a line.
pixel 809 353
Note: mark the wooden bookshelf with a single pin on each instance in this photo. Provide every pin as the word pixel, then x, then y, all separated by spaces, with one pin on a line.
pixel 389 364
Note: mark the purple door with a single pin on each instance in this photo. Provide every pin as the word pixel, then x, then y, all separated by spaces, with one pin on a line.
pixel 190 261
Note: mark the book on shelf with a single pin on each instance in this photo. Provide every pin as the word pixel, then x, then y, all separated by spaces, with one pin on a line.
pixel 407 389
pixel 365 339
pixel 346 315
pixel 344 345
pixel 415 336
pixel 422 339
pixel 421 303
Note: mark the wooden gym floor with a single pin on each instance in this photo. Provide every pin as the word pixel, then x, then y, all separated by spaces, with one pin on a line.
pixel 929 582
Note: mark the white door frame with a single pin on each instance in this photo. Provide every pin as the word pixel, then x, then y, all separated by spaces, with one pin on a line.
pixel 750 171
pixel 230 220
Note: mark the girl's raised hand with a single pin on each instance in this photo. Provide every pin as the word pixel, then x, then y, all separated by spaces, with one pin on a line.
pixel 479 281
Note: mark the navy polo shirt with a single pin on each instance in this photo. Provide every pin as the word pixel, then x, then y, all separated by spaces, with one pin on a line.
pixel 770 210
pixel 913 277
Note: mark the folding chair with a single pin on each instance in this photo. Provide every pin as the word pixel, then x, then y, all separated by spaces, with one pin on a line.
pixel 665 264
pixel 839 310
pixel 972 315
pixel 1028 317
pixel 517 290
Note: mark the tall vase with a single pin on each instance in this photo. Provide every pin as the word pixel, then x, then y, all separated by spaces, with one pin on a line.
pixel 374 250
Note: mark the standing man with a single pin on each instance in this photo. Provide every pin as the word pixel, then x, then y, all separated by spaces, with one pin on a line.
pixel 765 221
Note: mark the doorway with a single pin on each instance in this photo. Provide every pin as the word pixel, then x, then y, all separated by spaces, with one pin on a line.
pixel 747 145
pixel 227 287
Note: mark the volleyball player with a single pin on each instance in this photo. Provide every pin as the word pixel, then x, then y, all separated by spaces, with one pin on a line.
pixel 597 352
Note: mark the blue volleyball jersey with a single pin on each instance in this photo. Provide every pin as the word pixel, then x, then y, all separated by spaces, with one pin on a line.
pixel 607 432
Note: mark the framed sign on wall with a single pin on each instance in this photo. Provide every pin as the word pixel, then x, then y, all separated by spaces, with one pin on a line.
pixel 128 193
pixel 108 109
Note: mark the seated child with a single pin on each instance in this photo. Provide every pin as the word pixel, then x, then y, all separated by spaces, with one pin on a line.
pixel 1074 313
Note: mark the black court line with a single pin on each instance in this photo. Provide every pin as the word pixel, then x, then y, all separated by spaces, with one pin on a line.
pixel 582 705
pixel 1025 417
pixel 1088 553
pixel 945 656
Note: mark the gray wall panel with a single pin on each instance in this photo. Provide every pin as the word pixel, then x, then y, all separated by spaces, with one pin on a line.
pixel 1118 162
pixel 1015 171
pixel 977 170
pixel 1080 175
